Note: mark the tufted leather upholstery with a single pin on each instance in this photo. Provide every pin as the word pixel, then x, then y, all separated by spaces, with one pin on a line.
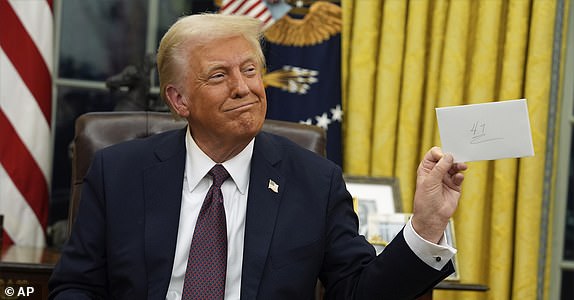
pixel 96 130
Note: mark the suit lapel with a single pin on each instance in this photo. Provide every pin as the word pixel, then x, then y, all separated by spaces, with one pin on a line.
pixel 162 184
pixel 262 209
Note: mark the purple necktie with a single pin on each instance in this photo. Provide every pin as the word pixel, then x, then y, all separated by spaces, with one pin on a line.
pixel 207 261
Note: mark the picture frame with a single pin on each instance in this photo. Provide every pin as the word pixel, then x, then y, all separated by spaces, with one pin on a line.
pixel 373 196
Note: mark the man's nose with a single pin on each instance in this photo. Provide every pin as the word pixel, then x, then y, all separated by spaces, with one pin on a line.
pixel 239 87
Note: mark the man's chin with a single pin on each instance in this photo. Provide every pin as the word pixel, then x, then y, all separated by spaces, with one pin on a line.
pixel 250 128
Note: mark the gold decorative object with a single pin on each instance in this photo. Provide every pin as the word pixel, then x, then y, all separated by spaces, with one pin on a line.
pixel 321 22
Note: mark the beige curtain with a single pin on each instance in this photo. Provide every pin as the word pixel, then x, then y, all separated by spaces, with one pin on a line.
pixel 401 59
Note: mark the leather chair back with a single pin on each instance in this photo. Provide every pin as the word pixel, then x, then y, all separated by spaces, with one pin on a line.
pixel 97 130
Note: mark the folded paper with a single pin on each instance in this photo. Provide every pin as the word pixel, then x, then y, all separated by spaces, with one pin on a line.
pixel 485 131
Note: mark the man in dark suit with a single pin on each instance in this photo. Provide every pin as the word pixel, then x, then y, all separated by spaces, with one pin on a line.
pixel 283 214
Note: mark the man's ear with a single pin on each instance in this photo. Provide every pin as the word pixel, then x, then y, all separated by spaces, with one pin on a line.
pixel 177 100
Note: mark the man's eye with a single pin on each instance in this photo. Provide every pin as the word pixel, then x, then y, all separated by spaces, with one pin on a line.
pixel 217 76
pixel 250 71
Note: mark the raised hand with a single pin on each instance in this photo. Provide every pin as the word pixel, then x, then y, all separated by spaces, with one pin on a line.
pixel 437 192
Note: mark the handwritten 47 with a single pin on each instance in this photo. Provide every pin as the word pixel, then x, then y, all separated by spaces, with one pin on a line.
pixel 478 129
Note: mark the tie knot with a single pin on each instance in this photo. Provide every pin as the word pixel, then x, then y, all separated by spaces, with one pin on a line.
pixel 219 174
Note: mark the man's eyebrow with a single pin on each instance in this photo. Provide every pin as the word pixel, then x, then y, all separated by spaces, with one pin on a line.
pixel 212 66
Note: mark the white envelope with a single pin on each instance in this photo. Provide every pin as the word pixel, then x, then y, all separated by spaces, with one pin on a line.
pixel 485 131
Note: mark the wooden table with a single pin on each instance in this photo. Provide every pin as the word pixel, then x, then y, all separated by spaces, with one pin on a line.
pixel 26 270
pixel 454 286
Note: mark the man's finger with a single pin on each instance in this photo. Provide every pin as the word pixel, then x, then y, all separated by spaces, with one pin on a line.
pixel 457 167
pixel 435 154
pixel 457 179
pixel 443 166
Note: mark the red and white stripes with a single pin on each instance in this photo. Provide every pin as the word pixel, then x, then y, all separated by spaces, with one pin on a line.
pixel 25 118
pixel 253 8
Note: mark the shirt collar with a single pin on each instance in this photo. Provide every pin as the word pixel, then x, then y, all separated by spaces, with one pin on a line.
pixel 198 164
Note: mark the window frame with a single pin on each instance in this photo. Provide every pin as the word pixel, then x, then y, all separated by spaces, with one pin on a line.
pixel 566 125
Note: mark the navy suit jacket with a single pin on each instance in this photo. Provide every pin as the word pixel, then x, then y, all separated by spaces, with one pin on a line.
pixel 122 245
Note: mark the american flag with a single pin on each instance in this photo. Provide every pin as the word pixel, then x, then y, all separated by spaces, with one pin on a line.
pixel 25 119
pixel 253 8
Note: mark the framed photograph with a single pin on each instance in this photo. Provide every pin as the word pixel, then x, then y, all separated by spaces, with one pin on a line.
pixel 373 196
pixel 383 228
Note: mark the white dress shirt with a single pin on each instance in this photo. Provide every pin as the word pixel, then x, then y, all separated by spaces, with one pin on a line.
pixel 434 255
pixel 196 183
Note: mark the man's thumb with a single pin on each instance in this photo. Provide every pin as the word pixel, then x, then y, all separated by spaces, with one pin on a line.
pixel 442 166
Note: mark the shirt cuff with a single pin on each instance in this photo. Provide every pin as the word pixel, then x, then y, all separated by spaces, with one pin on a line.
pixel 434 255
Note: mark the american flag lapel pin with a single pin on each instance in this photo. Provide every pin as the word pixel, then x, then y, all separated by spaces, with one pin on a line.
pixel 273 186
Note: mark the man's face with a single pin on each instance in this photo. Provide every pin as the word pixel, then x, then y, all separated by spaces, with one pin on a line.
pixel 223 91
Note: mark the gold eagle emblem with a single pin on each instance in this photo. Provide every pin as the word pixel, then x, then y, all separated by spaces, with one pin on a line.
pixel 321 22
